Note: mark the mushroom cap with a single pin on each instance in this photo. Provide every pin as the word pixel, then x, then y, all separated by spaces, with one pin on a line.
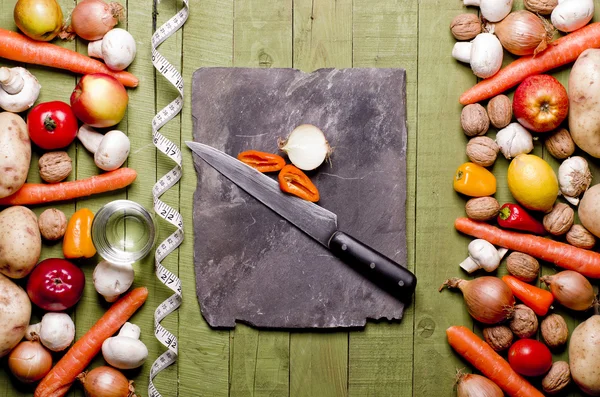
pixel 570 15
pixel 57 331
pixel 495 10
pixel 112 151
pixel 486 55
pixel 118 49
pixel 484 254
pixel 123 352
pixel 111 280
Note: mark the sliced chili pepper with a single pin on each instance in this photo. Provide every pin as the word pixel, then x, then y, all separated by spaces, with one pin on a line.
pixel 262 161
pixel 292 180
pixel 513 216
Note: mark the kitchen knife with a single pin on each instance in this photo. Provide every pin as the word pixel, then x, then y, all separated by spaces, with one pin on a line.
pixel 314 220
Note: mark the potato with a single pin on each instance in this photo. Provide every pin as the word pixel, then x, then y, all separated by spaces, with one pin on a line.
pixel 15 153
pixel 584 356
pixel 589 210
pixel 20 242
pixel 15 313
pixel 584 102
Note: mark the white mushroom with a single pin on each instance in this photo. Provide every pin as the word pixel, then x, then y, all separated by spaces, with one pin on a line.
pixel 570 15
pixel 484 54
pixel 19 89
pixel 492 10
pixel 112 280
pixel 483 255
pixel 126 350
pixel 110 150
pixel 513 140
pixel 56 331
pixel 117 48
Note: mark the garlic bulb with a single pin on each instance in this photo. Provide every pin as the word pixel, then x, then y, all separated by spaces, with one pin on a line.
pixel 514 140
pixel 574 178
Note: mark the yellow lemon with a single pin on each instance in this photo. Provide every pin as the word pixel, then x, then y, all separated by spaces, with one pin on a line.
pixel 532 182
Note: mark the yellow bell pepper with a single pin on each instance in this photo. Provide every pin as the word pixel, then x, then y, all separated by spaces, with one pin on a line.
pixel 77 242
pixel 474 180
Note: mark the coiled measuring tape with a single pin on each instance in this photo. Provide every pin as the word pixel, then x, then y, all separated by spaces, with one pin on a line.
pixel 161 209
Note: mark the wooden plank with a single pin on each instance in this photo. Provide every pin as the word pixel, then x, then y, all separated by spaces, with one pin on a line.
pixel 385 35
pixel 204 353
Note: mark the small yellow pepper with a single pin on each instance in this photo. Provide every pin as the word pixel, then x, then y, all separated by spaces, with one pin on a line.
pixel 77 242
pixel 474 180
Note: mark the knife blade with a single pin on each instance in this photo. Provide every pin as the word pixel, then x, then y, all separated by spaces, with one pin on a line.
pixel 312 219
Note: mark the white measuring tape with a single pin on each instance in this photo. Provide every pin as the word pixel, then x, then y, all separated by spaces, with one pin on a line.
pixel 161 209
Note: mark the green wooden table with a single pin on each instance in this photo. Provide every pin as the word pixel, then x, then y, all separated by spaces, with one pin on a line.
pixel 410 358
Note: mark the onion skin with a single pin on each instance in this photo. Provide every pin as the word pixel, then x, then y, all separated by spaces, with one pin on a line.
pixel 571 289
pixel 523 33
pixel 106 382
pixel 472 385
pixel 489 300
pixel 92 19
pixel 29 361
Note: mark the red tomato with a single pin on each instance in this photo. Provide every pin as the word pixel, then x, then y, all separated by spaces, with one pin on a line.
pixel 55 284
pixel 52 125
pixel 529 357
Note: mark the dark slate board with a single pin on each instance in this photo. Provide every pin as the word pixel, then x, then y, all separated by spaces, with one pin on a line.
pixel 251 265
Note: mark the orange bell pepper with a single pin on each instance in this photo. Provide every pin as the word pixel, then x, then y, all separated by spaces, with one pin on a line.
pixel 292 180
pixel 474 180
pixel 77 242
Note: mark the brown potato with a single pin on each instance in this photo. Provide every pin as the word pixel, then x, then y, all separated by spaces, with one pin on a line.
pixel 584 356
pixel 20 241
pixel 589 210
pixel 15 313
pixel 15 153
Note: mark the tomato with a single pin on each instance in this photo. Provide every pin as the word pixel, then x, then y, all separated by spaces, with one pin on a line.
pixel 529 357
pixel 55 284
pixel 52 125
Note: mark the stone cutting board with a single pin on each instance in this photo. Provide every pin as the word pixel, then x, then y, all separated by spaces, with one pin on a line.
pixel 251 265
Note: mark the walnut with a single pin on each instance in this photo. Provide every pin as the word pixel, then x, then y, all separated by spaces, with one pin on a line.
pixel 580 237
pixel 482 208
pixel 482 150
pixel 554 330
pixel 465 26
pixel 52 224
pixel 560 144
pixel 522 266
pixel 559 220
pixel 499 110
pixel 55 166
pixel 524 322
pixel 542 7
pixel 474 120
pixel 557 379
pixel 499 337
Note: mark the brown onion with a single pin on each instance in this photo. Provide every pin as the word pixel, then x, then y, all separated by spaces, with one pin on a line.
pixel 523 33
pixel 471 385
pixel 106 382
pixel 489 300
pixel 29 361
pixel 92 19
pixel 571 289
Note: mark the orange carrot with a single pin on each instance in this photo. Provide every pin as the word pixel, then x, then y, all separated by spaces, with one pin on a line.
pixel 537 299
pixel 561 52
pixel 61 377
pixel 490 363
pixel 563 255
pixel 20 48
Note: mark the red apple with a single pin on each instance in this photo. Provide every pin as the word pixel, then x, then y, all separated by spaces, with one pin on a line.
pixel 99 100
pixel 55 284
pixel 540 103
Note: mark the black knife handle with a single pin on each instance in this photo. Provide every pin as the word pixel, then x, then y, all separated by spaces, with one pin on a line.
pixel 375 266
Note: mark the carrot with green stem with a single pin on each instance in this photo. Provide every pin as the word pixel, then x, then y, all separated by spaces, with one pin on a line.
pixel 490 363
pixel 560 52
pixel 537 299
pixel 61 377
pixel 39 193
pixel 563 255
pixel 20 48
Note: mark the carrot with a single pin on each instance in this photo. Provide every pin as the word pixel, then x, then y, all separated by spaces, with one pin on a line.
pixel 61 377
pixel 564 50
pixel 38 193
pixel 537 299
pixel 563 255
pixel 490 363
pixel 20 48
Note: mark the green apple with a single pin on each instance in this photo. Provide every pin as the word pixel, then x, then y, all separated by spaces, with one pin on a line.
pixel 41 20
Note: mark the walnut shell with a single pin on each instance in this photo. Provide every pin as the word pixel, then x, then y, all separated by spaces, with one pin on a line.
pixel 465 26
pixel 474 120
pixel 524 322
pixel 482 208
pixel 542 7
pixel 482 150
pixel 558 378
pixel 580 237
pixel 55 166
pixel 560 144
pixel 499 337
pixel 559 220
pixel 499 110
pixel 52 224
pixel 522 266
pixel 554 330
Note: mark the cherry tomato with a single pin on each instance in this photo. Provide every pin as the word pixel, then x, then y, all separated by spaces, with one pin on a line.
pixel 529 357
pixel 52 125
pixel 55 284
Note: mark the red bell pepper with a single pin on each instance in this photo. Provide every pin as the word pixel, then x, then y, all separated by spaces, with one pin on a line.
pixel 513 216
